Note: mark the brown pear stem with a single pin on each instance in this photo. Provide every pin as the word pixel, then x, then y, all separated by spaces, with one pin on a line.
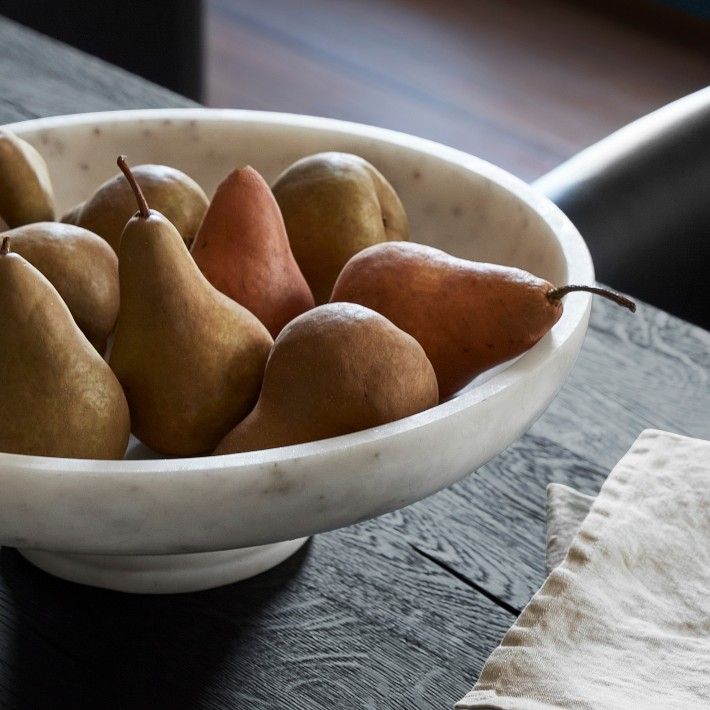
pixel 557 293
pixel 5 247
pixel 143 208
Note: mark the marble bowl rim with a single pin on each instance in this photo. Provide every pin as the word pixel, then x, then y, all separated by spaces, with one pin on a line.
pixel 575 253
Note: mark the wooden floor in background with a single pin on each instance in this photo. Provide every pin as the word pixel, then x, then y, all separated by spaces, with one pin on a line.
pixel 523 84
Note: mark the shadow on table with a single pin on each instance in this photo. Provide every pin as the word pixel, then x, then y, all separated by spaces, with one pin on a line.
pixel 66 645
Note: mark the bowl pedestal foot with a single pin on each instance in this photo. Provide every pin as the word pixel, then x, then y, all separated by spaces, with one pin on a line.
pixel 163 574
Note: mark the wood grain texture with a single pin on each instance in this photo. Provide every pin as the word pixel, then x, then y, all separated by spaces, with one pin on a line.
pixel 42 77
pixel 398 612
pixel 648 370
pixel 525 85
pixel 314 633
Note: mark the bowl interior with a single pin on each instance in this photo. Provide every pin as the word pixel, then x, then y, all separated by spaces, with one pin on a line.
pixel 450 206
pixel 454 201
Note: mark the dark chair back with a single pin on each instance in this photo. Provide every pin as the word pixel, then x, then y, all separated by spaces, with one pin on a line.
pixel 641 199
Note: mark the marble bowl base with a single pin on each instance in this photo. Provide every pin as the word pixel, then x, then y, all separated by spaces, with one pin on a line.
pixel 163 574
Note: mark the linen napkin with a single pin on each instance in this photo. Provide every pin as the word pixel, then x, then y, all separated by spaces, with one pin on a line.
pixel 624 620
pixel 566 511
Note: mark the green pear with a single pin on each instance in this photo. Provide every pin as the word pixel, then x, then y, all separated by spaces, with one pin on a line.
pixel 189 358
pixel 171 192
pixel 334 205
pixel 26 193
pixel 58 396
pixel 81 266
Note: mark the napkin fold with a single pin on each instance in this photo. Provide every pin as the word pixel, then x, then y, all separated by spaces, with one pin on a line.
pixel 566 511
pixel 624 620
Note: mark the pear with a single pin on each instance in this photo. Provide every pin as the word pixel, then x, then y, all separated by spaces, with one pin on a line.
pixel 242 249
pixel 334 205
pixel 173 193
pixel 189 358
pixel 468 316
pixel 26 193
pixel 58 396
pixel 336 369
pixel 81 266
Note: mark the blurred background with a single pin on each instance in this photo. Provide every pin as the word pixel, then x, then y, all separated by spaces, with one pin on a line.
pixel 523 83
pixel 526 84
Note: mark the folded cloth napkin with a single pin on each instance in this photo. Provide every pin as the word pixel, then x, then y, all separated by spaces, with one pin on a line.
pixel 624 620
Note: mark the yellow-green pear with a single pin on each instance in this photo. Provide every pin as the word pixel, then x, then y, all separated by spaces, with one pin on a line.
pixel 168 190
pixel 81 266
pixel 58 397
pixel 26 193
pixel 190 359
pixel 334 205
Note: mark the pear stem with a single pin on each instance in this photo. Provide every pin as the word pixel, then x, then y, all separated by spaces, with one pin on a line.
pixel 560 291
pixel 143 208
pixel 5 247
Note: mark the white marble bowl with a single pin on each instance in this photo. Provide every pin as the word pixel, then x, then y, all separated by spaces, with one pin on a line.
pixel 136 525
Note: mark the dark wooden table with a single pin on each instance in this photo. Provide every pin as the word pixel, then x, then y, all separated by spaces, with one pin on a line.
pixel 397 612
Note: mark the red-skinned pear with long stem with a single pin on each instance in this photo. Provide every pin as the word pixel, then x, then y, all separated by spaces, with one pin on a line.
pixel 468 316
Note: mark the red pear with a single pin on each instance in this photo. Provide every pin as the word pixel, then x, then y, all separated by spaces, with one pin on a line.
pixel 468 316
pixel 243 250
